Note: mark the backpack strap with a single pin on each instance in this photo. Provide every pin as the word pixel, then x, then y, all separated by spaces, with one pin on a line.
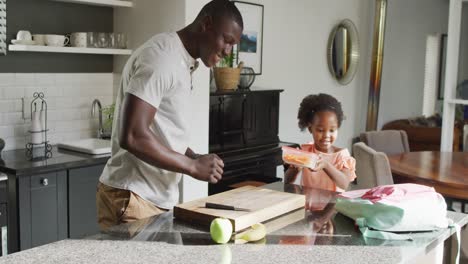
pixel 455 249
pixel 370 233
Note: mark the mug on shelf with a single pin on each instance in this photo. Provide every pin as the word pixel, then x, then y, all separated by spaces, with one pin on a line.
pixel 39 39
pixel 112 43
pixel 78 39
pixel 24 35
pixel 92 40
pixel 102 40
pixel 120 40
pixel 56 40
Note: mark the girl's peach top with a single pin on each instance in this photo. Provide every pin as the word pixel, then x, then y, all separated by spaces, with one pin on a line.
pixel 320 179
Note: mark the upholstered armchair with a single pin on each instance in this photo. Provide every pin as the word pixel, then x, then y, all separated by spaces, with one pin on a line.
pixel 372 167
pixel 387 141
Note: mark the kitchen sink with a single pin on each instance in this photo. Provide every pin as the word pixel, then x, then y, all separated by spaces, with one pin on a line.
pixel 92 146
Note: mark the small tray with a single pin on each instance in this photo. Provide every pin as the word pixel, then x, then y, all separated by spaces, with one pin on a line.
pixel 299 158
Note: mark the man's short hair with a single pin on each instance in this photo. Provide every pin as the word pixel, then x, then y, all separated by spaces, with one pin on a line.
pixel 218 9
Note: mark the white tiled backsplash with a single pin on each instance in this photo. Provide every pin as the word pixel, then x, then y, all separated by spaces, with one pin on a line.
pixel 69 97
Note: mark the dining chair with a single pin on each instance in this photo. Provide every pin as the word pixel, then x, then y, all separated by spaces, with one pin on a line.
pixel 387 141
pixel 372 167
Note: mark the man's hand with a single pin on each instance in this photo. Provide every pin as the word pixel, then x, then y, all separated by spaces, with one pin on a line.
pixel 208 168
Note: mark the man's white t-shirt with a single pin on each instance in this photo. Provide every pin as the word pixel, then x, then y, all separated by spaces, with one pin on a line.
pixel 159 73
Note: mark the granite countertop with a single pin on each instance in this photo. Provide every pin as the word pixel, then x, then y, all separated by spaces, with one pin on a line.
pixel 94 251
pixel 316 235
pixel 15 162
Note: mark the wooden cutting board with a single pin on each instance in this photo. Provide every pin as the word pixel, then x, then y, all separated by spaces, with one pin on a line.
pixel 264 204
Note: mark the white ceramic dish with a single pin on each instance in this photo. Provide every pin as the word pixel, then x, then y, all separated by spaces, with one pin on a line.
pixel 23 42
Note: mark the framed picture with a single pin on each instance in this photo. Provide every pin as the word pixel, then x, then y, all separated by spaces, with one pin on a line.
pixel 443 57
pixel 250 48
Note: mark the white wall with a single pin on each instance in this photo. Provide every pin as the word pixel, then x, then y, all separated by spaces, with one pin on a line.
pixel 294 59
pixel 68 96
pixel 408 24
pixel 191 188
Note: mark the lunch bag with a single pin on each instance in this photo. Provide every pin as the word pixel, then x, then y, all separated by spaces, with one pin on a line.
pixel 394 208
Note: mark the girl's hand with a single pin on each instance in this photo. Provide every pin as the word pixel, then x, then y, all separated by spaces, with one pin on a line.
pixel 294 167
pixel 320 165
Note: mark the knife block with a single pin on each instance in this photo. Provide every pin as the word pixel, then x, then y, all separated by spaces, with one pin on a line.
pixel 38 147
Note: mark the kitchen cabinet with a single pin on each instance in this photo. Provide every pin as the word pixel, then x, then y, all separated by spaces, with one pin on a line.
pixel 3 229
pixel 58 205
pixel 42 209
pixel 3 218
pixel 50 200
pixel 82 213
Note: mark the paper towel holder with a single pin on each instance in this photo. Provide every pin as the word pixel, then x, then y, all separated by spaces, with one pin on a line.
pixel 39 150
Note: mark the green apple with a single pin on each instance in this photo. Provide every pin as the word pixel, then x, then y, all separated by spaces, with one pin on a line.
pixel 221 230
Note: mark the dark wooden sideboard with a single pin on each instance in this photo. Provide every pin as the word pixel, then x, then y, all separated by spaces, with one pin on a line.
pixel 243 119
pixel 244 133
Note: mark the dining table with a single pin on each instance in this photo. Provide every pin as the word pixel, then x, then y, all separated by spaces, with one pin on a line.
pixel 447 172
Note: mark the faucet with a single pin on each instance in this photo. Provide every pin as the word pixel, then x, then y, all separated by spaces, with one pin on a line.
pixel 100 132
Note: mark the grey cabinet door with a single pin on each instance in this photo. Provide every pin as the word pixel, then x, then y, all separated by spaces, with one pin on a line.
pixel 82 184
pixel 42 209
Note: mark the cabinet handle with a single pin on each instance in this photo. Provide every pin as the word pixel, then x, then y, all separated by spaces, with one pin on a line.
pixel 44 181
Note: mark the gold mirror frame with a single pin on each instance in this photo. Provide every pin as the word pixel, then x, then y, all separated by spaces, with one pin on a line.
pixel 380 18
pixel 353 42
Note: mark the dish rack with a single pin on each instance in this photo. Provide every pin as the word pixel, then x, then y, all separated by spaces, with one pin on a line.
pixel 38 148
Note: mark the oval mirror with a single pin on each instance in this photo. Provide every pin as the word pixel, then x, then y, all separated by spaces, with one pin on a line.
pixel 343 51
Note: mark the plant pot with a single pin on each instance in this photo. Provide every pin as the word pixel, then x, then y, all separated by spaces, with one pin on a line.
pixel 227 78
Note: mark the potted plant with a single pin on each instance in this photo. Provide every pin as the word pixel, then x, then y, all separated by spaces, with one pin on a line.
pixel 225 75
pixel 108 116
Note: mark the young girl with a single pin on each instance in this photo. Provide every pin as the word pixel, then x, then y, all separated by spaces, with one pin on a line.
pixel 322 115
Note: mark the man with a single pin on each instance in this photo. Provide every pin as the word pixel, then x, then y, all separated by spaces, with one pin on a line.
pixel 150 134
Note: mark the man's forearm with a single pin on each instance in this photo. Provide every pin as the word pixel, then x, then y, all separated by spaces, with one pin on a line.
pixel 147 148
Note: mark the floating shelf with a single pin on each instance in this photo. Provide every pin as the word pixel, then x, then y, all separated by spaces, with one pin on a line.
pixel 32 48
pixel 458 101
pixel 115 3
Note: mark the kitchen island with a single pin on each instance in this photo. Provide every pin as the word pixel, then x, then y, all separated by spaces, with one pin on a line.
pixel 315 235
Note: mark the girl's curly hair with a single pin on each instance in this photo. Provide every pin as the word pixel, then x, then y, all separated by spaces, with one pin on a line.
pixel 315 103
